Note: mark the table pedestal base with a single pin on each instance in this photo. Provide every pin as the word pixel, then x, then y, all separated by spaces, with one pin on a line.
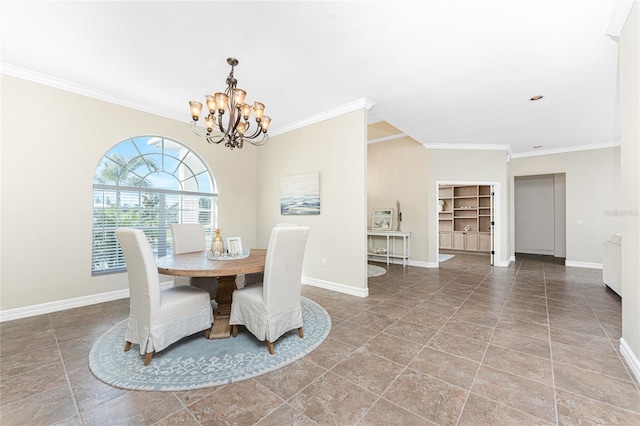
pixel 206 283
pixel 221 328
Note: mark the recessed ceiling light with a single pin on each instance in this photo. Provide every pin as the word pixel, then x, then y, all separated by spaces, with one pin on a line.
pixel 536 98
pixel 537 147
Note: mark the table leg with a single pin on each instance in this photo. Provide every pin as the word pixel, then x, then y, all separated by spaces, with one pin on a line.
pixel 221 327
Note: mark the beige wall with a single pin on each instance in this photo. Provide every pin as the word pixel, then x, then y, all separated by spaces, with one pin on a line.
pixel 52 141
pixel 336 148
pixel 630 128
pixel 473 166
pixel 396 172
pixel 592 180
pixel 592 186
pixel 406 171
pixel 560 217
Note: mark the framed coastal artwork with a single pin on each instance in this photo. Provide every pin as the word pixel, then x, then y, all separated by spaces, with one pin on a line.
pixel 382 219
pixel 300 194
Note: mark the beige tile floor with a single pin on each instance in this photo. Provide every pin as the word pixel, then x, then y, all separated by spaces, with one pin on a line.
pixel 468 344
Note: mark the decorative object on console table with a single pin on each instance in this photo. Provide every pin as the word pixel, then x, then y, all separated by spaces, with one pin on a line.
pixel 382 219
pixel 217 244
pixel 399 215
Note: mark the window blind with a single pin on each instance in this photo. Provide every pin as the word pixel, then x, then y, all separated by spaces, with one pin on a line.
pixel 151 210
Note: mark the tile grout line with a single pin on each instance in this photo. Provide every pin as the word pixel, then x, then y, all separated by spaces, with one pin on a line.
pixel 554 285
pixel 616 351
pixel 406 367
pixel 553 364
pixel 66 373
pixel 480 363
pixel 617 355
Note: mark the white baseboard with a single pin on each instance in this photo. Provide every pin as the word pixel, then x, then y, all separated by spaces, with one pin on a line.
pixel 631 359
pixel 340 288
pixel 589 265
pixel 77 302
pixel 536 251
pixel 421 264
pixel 392 261
pixel 61 305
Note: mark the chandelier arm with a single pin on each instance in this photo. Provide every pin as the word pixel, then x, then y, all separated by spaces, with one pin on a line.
pixel 221 125
pixel 256 133
pixel 197 131
pixel 265 139
pixel 238 117
pixel 210 139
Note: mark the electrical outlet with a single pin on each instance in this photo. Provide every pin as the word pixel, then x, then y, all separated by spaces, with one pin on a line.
pixel 579 222
pixel 323 262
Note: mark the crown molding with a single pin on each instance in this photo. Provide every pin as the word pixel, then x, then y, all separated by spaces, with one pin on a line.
pixel 363 103
pixel 468 146
pixel 358 104
pixel 619 15
pixel 58 83
pixel 566 150
pixel 388 138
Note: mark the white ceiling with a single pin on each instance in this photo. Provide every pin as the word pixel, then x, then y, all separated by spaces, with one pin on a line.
pixel 444 72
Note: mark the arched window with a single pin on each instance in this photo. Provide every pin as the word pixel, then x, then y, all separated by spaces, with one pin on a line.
pixel 148 182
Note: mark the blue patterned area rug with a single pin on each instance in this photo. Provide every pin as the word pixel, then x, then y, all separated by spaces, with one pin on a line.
pixel 195 362
pixel 375 271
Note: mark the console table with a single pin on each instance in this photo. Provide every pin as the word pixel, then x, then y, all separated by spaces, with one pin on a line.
pixel 389 251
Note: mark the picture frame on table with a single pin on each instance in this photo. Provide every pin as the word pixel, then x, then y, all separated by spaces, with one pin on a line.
pixel 234 245
pixel 382 219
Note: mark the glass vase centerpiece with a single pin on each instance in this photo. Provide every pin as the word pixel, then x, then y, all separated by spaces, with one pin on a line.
pixel 217 244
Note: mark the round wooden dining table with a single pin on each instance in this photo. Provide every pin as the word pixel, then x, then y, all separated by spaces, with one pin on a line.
pixel 198 265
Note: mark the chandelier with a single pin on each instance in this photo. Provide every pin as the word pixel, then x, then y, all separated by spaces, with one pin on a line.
pixel 235 130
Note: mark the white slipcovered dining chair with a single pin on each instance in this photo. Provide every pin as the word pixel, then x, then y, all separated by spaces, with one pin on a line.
pixel 158 318
pixel 257 277
pixel 189 238
pixel 270 309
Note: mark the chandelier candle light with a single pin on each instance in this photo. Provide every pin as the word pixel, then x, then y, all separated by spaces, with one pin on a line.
pixel 237 126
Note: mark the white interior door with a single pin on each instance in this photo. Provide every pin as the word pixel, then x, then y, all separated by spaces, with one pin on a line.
pixel 534 214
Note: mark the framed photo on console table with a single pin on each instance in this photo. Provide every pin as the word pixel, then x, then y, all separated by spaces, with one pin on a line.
pixel 382 219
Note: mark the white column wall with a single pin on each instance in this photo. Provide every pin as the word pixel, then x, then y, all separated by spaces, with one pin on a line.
pixel 336 149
